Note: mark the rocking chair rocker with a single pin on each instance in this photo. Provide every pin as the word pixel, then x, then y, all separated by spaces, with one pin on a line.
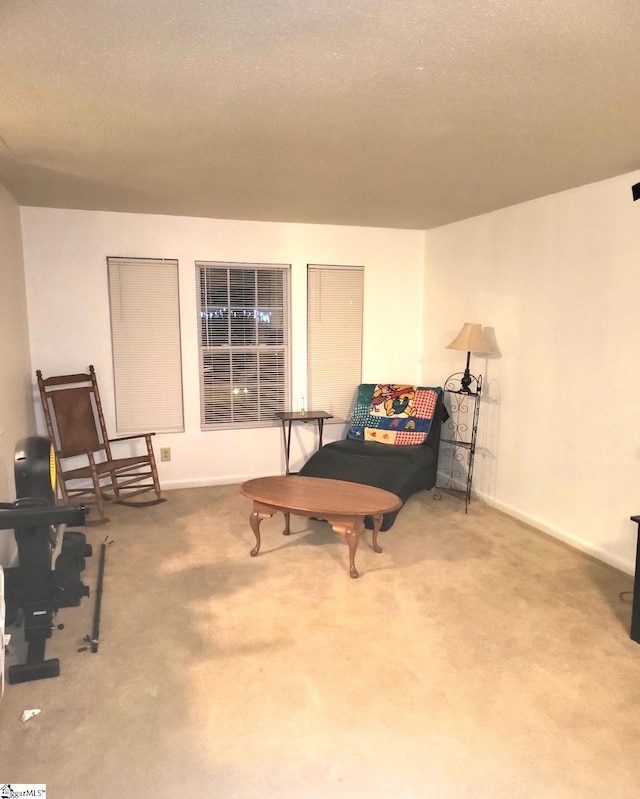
pixel 76 427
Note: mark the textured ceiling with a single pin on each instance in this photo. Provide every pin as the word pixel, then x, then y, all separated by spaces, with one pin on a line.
pixel 396 113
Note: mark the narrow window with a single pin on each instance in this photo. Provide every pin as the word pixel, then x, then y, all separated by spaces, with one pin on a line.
pixel 334 337
pixel 244 347
pixel 145 338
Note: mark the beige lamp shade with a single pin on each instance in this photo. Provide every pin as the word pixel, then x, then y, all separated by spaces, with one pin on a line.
pixel 470 339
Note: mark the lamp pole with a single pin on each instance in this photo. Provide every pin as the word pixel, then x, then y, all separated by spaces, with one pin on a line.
pixel 466 377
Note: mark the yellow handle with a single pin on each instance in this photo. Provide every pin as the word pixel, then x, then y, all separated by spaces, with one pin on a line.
pixel 52 470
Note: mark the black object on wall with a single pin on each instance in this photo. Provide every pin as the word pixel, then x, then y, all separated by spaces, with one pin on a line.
pixel 636 191
pixel 635 608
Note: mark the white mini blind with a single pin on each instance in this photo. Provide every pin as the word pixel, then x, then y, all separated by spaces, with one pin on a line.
pixel 334 337
pixel 145 336
pixel 244 312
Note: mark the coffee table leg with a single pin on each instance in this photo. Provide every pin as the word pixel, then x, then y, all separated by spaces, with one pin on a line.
pixel 254 520
pixel 351 530
pixel 354 531
pixel 377 521
pixel 287 529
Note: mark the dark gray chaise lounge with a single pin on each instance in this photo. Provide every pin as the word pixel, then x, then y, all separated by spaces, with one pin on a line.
pixel 403 470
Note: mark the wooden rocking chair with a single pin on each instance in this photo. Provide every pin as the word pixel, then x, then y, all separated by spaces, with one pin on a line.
pixel 76 427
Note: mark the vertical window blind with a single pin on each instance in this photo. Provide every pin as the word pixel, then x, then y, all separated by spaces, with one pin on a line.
pixel 145 337
pixel 244 318
pixel 334 337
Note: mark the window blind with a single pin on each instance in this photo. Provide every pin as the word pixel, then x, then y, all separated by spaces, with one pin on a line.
pixel 244 318
pixel 334 337
pixel 145 338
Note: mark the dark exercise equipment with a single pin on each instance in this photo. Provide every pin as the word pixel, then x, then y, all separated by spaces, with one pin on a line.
pixel 50 560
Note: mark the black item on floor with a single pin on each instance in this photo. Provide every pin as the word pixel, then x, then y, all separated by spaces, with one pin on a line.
pixel 94 639
pixel 403 470
pixel 48 575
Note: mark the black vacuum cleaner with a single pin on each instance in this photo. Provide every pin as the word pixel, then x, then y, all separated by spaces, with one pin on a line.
pixel 50 558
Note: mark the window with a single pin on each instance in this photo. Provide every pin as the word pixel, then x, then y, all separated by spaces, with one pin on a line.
pixel 145 338
pixel 334 337
pixel 244 343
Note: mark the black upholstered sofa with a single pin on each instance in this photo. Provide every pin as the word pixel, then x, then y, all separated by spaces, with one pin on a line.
pixel 403 470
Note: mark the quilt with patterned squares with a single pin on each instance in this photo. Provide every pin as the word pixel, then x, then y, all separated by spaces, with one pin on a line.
pixel 391 413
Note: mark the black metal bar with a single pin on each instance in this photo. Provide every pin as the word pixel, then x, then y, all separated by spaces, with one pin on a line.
pixel 288 441
pixel 634 633
pixel 26 517
pixel 95 634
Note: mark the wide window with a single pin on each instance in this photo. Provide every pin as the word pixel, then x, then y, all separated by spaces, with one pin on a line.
pixel 244 343
pixel 145 337
pixel 334 337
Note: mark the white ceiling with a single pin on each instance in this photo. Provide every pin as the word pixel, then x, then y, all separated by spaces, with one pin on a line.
pixel 398 113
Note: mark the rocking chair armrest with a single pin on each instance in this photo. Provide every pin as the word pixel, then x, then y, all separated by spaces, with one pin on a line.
pixel 74 453
pixel 130 438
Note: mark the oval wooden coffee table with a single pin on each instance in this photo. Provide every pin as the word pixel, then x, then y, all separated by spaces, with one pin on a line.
pixel 343 504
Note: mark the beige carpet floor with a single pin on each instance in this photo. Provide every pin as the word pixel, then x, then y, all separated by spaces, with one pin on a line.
pixel 475 657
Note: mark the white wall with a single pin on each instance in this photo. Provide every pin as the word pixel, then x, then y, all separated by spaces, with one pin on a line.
pixel 558 279
pixel 66 274
pixel 16 409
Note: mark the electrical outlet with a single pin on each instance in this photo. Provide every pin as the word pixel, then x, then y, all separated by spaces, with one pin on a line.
pixel 165 454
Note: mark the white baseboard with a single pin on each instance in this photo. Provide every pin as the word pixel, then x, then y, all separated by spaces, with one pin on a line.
pixel 574 541
pixel 207 482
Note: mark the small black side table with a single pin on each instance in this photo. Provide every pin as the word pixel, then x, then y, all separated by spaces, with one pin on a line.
pixel 287 417
pixel 635 607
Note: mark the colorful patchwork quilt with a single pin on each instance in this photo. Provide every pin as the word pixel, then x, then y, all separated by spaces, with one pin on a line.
pixel 392 413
